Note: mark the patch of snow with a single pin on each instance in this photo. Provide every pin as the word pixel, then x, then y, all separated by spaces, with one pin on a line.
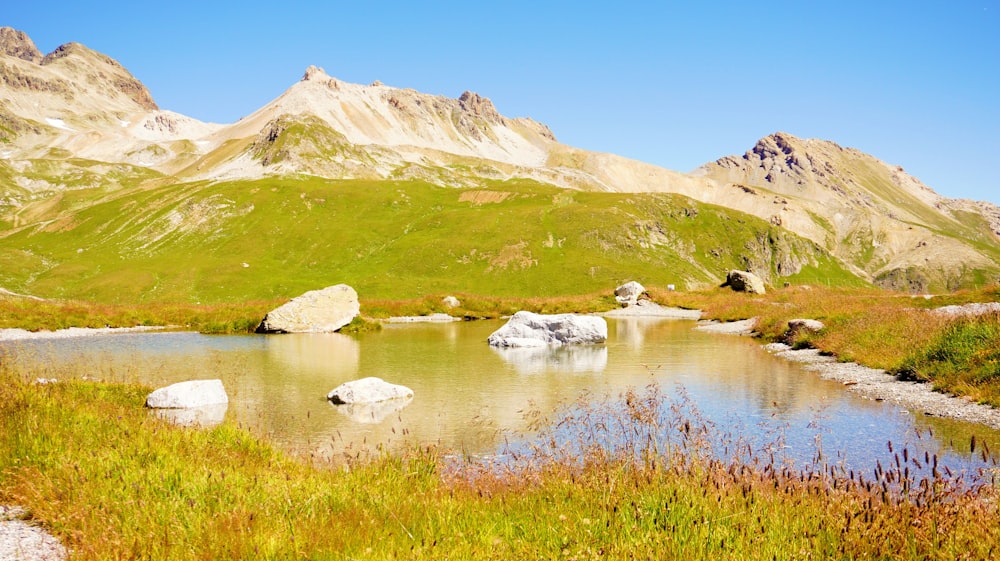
pixel 124 123
pixel 58 123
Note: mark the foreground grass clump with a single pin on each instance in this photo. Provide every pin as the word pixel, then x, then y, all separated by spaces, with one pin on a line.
pixel 963 357
pixel 613 480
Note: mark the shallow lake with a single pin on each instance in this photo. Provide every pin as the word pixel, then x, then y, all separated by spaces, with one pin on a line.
pixel 472 398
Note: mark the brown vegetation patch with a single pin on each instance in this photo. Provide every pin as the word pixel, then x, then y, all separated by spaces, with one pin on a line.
pixel 516 256
pixel 484 197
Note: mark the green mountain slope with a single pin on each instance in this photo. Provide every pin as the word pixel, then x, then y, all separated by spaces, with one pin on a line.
pixel 105 196
pixel 243 240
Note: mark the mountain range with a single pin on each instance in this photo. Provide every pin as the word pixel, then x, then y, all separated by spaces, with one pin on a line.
pixel 79 135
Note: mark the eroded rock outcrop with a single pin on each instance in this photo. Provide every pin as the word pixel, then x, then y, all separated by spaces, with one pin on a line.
pixel 17 44
pixel 316 311
pixel 743 281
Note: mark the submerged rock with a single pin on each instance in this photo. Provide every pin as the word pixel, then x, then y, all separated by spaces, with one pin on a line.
pixel 526 329
pixel 204 416
pixel 185 395
pixel 368 390
pixel 316 311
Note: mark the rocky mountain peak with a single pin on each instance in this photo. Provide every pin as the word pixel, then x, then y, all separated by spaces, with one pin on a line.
pixel 73 49
pixel 479 106
pixel 97 65
pixel 17 44
pixel 314 73
pixel 775 145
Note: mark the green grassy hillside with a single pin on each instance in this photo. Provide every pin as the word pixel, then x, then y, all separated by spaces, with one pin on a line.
pixel 274 238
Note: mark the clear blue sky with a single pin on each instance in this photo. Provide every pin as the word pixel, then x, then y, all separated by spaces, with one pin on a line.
pixel 677 84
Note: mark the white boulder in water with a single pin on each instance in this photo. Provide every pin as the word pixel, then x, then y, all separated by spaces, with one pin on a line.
pixel 527 329
pixel 368 390
pixel 186 395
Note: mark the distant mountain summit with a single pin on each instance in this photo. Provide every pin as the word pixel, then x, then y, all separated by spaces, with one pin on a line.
pixel 388 128
pixel 870 214
pixel 17 44
pixel 76 119
pixel 72 83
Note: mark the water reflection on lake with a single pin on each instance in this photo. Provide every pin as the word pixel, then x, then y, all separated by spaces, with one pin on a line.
pixel 467 395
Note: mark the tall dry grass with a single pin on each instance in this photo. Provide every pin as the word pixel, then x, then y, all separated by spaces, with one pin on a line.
pixel 641 477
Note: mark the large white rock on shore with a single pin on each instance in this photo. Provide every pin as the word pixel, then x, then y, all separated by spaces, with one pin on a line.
pixel 316 311
pixel 186 395
pixel 368 390
pixel 527 329
pixel 628 294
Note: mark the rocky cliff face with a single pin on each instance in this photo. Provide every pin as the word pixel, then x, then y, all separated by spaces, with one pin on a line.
pixel 894 229
pixel 17 44
pixel 118 77
pixel 70 89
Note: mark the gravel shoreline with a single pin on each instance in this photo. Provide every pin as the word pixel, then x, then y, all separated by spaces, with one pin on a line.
pixel 874 383
pixel 22 541
pixel 649 309
pixel 878 385
pixel 15 334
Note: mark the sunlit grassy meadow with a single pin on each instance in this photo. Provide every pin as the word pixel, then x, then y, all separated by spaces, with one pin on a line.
pixel 247 241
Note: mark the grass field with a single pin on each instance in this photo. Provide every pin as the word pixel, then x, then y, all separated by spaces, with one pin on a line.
pixel 277 238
